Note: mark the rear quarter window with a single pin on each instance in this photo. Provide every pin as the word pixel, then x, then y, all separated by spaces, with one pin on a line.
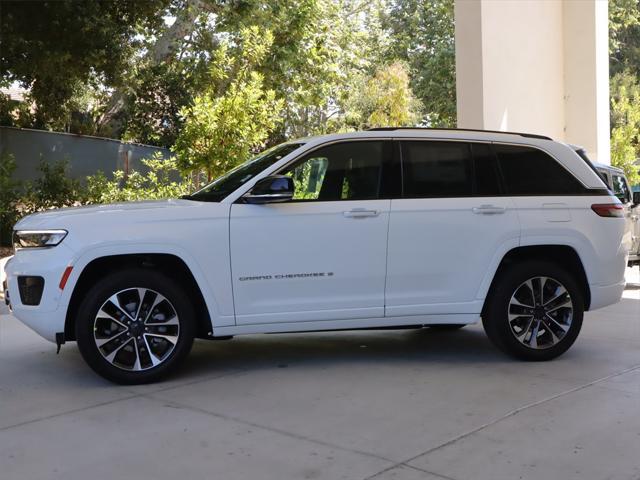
pixel 529 171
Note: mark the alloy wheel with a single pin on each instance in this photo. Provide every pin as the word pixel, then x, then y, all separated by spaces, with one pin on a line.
pixel 540 312
pixel 136 329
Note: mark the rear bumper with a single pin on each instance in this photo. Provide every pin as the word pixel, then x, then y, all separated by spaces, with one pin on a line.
pixel 603 295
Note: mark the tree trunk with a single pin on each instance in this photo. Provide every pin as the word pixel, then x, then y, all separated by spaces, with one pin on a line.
pixel 165 47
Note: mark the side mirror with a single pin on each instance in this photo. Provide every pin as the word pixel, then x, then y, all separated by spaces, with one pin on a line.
pixel 272 189
pixel 636 198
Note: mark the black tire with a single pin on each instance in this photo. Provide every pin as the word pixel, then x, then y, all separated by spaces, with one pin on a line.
pixel 504 334
pixel 179 327
pixel 447 327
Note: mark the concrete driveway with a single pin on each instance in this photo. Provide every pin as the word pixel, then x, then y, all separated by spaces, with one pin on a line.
pixel 402 405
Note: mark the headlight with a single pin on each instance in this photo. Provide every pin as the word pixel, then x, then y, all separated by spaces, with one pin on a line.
pixel 37 238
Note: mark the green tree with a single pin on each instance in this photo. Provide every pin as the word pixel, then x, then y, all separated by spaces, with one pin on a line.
pixel 624 49
pixel 300 67
pixel 9 194
pixel 58 48
pixel 54 188
pixel 625 134
pixel 235 114
pixel 160 180
pixel 385 100
pixel 320 55
pixel 624 36
pixel 422 33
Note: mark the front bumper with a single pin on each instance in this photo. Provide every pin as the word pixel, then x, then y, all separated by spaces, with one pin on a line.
pixel 48 317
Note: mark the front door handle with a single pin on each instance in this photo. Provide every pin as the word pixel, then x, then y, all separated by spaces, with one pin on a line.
pixel 488 210
pixel 361 213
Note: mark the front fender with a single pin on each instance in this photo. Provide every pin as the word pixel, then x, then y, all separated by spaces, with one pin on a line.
pixel 218 299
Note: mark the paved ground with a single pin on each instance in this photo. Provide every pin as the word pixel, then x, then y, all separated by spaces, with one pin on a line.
pixel 402 405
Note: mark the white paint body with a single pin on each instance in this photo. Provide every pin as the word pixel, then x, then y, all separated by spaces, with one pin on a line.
pixel 414 261
pixel 612 176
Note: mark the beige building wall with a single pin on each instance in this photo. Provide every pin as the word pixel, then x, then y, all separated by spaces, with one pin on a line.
pixel 538 66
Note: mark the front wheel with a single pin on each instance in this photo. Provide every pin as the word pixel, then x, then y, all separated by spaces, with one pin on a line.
pixel 135 326
pixel 534 311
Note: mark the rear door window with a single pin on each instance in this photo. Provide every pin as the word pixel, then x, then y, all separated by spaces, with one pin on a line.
pixel 437 169
pixel 485 169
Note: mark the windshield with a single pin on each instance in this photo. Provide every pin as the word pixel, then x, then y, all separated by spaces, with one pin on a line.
pixel 233 179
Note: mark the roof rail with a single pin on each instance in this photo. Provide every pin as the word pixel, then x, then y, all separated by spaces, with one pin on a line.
pixel 527 135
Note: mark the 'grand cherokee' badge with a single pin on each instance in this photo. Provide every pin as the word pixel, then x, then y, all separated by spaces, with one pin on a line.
pixel 287 276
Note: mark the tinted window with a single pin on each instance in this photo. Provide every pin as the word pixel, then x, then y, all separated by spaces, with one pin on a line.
pixel 485 170
pixel 529 171
pixel 449 169
pixel 437 169
pixel 621 189
pixel 605 177
pixel 343 171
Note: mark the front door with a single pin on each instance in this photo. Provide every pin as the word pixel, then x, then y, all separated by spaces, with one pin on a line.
pixel 321 256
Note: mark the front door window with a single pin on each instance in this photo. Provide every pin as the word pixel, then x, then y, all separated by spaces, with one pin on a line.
pixel 343 171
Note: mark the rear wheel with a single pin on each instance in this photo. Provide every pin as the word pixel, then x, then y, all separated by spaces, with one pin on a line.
pixel 535 311
pixel 135 326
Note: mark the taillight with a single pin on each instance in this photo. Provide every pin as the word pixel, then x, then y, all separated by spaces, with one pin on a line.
pixel 608 209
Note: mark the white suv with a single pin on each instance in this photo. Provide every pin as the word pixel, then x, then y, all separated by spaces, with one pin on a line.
pixel 615 179
pixel 383 228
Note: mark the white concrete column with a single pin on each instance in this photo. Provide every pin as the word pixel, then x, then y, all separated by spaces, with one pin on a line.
pixel 535 66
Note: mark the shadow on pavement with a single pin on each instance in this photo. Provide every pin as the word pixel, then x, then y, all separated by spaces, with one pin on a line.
pixel 337 349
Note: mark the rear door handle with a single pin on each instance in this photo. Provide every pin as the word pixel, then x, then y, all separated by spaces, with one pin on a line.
pixel 361 213
pixel 488 210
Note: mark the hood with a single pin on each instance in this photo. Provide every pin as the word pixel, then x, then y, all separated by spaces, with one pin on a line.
pixel 62 217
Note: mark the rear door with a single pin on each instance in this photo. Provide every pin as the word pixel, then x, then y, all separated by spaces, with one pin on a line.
pixel 449 229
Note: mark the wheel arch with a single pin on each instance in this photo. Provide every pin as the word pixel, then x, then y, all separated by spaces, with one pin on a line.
pixel 170 264
pixel 564 255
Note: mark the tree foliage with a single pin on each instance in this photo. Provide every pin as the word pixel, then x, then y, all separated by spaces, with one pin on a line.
pixel 624 36
pixel 58 49
pixel 127 69
pixel 624 49
pixel 385 100
pixel 422 33
pixel 160 180
pixel 235 114
pixel 625 134
pixel 9 194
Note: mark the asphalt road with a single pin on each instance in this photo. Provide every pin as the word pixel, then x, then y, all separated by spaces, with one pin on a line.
pixel 401 405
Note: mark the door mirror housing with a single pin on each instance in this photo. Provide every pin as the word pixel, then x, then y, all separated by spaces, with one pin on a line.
pixel 636 199
pixel 271 189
